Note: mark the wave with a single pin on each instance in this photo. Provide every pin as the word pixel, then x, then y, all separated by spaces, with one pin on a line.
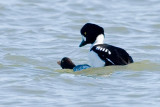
pixel 145 65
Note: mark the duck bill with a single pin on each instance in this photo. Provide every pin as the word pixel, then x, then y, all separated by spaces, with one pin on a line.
pixel 59 63
pixel 82 43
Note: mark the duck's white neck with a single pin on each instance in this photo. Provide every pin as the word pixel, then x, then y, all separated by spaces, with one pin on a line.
pixel 99 40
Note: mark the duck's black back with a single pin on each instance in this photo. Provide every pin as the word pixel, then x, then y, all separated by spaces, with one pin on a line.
pixel 112 55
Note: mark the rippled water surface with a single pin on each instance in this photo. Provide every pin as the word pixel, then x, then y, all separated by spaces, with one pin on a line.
pixel 35 34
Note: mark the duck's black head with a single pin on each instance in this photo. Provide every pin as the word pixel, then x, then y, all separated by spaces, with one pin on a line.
pixel 89 33
pixel 66 63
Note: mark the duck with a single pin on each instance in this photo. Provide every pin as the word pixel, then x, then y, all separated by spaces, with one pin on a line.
pixel 66 63
pixel 100 53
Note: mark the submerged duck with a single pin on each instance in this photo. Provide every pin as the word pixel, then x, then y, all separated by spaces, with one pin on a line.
pixel 102 54
pixel 66 63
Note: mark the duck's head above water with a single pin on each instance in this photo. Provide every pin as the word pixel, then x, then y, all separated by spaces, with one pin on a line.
pixel 66 63
pixel 91 34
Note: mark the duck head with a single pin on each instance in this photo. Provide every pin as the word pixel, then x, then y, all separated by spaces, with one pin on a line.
pixel 91 33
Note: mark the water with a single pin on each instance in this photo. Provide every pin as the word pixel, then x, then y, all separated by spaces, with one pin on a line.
pixel 35 34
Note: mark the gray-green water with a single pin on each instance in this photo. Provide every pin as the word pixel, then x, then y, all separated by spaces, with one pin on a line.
pixel 35 34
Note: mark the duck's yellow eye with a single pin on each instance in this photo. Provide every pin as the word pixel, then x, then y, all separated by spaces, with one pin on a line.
pixel 85 33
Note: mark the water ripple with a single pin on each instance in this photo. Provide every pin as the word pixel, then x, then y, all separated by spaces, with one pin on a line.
pixel 34 35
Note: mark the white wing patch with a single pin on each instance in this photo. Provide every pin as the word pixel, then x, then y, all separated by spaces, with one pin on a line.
pixel 110 61
pixel 103 49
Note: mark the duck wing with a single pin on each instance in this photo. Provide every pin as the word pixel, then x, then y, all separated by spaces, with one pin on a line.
pixel 112 55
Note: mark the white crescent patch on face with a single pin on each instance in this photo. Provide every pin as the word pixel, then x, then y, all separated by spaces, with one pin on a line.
pixel 84 38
